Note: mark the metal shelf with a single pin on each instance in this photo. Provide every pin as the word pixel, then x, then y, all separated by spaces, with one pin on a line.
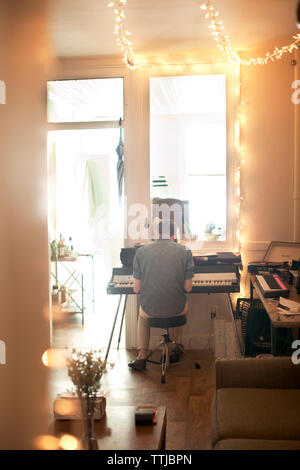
pixel 65 276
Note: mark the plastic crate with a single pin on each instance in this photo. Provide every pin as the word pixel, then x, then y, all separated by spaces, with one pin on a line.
pixel 256 328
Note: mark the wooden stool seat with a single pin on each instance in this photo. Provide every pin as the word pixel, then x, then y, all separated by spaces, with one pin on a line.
pixel 167 322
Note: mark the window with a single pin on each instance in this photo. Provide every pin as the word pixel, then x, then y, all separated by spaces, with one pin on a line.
pixel 85 100
pixel 205 153
pixel 189 151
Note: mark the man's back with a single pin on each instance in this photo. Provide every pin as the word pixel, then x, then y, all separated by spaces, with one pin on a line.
pixel 162 267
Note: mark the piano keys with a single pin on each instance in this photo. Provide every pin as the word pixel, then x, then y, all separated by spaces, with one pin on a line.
pixel 206 279
pixel 271 285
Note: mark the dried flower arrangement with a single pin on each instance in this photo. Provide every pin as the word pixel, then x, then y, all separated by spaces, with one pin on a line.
pixel 85 370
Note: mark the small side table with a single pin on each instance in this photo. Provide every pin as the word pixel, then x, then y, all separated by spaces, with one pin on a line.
pixel 118 431
pixel 72 277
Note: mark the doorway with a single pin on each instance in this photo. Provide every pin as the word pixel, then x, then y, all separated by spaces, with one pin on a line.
pixel 86 216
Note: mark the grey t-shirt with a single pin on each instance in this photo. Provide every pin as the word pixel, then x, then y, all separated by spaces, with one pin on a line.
pixel 162 268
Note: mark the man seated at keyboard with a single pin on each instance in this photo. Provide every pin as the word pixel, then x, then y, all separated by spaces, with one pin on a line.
pixel 162 272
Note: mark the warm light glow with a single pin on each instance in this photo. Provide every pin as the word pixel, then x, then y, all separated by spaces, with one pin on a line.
pixel 238 136
pixel 68 442
pixel 54 358
pixel 46 443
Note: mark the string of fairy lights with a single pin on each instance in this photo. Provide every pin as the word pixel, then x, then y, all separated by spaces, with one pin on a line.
pixel 240 161
pixel 122 33
pixel 216 28
pixel 223 42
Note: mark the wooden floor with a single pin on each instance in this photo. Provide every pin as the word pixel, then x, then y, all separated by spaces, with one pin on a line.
pixel 187 394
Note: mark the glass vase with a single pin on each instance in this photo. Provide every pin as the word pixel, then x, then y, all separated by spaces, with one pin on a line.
pixel 88 412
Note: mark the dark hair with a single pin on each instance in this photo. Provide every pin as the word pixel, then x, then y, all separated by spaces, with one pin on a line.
pixel 167 229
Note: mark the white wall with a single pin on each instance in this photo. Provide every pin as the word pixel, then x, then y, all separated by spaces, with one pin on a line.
pixel 269 136
pixel 23 214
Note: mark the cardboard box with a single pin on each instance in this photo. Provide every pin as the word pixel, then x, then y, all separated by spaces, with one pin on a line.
pixel 67 407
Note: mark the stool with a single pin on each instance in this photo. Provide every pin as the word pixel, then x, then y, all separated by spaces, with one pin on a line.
pixel 165 323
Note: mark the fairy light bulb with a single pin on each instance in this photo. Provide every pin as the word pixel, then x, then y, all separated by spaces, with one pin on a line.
pixel 46 442
pixel 55 358
pixel 68 442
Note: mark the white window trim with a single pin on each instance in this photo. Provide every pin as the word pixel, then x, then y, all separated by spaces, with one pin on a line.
pixel 232 74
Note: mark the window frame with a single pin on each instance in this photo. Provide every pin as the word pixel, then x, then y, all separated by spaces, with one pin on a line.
pixel 232 76
pixel 82 125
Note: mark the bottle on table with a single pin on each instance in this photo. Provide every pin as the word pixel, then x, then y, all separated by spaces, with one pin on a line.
pixel 53 250
pixel 71 248
pixel 56 295
pixel 61 247
pixel 63 293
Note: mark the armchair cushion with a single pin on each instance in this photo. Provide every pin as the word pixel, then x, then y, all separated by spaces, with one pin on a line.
pixel 278 373
pixel 256 444
pixel 249 413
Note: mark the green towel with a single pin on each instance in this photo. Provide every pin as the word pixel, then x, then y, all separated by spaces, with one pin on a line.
pixel 93 182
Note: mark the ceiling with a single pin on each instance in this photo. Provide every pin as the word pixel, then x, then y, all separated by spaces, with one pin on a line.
pixel 82 28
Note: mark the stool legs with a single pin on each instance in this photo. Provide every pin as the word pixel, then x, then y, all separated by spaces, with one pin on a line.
pixel 164 342
pixel 164 362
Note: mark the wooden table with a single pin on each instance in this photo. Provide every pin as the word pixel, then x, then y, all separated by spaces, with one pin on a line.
pixel 118 431
pixel 278 321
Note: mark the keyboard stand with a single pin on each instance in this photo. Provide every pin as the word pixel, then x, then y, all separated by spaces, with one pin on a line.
pixel 114 325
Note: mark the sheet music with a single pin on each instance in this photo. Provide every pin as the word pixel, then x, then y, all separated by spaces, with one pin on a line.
pixel 288 307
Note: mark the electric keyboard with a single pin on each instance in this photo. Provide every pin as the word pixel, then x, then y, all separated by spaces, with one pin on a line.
pixel 206 280
pixel 271 285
